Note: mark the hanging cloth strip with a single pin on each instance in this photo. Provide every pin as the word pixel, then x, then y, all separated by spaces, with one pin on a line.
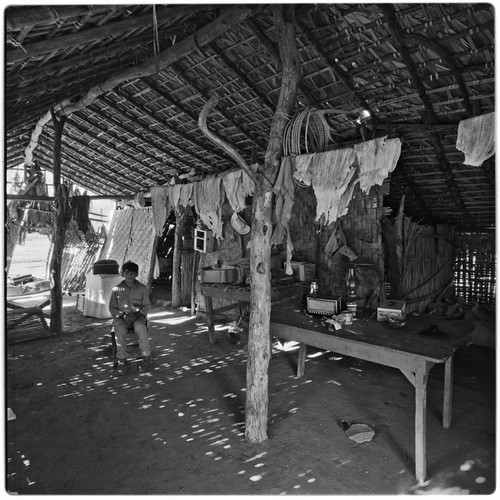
pixel 376 159
pixel 174 194
pixel 159 201
pixel 208 199
pixel 186 195
pixel 238 185
pixel 302 174
pixel 138 201
pixel 336 245
pixel 476 139
pixel 284 191
pixel 331 173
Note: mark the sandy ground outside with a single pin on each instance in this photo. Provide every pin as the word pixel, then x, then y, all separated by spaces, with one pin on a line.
pixel 179 429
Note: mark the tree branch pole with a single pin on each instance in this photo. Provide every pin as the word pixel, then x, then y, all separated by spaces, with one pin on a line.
pixel 259 348
pixel 61 200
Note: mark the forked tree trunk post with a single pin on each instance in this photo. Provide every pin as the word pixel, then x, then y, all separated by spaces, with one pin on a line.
pixel 260 247
pixel 60 219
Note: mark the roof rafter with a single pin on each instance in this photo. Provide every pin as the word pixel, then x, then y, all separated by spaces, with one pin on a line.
pixel 73 156
pixel 169 128
pixel 390 16
pixel 342 75
pixel 180 73
pixel 131 147
pixel 113 159
pixel 93 34
pixel 229 19
pixel 181 107
pixel 273 50
pixel 107 102
pixel 232 66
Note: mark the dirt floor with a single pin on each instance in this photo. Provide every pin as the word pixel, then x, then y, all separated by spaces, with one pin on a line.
pixel 179 429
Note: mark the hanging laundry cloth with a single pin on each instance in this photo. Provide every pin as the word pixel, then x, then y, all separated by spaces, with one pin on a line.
pixel 174 194
pixel 336 245
pixel 376 159
pixel 186 195
pixel 346 197
pixel 331 173
pixel 476 139
pixel 208 199
pixel 139 201
pixel 80 206
pixel 284 191
pixel 159 201
pixel 302 173
pixel 336 240
pixel 238 185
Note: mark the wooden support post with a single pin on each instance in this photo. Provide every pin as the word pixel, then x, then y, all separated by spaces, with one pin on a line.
pixel 61 200
pixel 301 363
pixel 260 246
pixel 421 376
pixel 448 390
pixel 194 279
pixel 180 221
pixel 209 311
pixel 152 263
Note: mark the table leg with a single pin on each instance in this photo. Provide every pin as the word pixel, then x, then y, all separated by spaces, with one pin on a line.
pixel 448 389
pixel 210 319
pixel 420 421
pixel 301 363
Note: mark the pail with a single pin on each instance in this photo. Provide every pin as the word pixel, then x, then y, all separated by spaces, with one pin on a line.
pixel 105 267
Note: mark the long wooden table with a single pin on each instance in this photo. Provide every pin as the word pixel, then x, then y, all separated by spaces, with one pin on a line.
pixel 241 294
pixel 404 348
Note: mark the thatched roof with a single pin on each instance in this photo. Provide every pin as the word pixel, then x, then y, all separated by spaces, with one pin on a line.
pixel 418 68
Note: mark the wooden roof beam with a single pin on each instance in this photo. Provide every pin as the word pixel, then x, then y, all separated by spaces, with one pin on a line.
pixel 18 18
pixel 185 137
pixel 448 59
pixel 73 157
pixel 342 75
pixel 118 172
pixel 390 16
pixel 132 147
pixel 226 21
pixel 273 50
pixel 242 76
pixel 152 132
pixel 95 34
pixel 140 168
pixel 205 94
pixel 154 86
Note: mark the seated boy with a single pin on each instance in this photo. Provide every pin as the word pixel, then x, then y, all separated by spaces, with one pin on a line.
pixel 129 304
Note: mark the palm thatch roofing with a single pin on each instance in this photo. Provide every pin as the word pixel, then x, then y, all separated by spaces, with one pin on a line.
pixel 133 80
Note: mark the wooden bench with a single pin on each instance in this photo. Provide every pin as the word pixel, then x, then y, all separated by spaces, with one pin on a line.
pixel 26 323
